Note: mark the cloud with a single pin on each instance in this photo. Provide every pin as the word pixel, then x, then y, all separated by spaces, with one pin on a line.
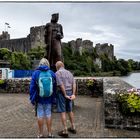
pixel 114 23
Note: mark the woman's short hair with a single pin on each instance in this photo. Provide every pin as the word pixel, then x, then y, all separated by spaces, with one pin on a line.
pixel 45 62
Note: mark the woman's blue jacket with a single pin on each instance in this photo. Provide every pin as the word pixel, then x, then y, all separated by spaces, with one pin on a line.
pixel 34 92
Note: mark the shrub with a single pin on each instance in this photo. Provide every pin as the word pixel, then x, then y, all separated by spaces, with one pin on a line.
pixel 129 102
pixel 2 81
pixel 2 85
pixel 90 84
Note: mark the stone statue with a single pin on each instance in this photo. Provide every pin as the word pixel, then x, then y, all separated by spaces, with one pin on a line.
pixel 53 36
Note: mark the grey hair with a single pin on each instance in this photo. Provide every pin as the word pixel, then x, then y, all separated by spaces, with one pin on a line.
pixel 44 61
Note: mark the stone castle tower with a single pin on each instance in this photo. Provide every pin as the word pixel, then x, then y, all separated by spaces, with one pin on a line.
pixel 4 36
pixel 79 46
pixel 37 36
pixel 105 49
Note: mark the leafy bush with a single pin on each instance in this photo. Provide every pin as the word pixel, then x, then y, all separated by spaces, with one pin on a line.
pixel 129 102
pixel 2 85
pixel 17 60
pixel 2 81
pixel 36 53
pixel 5 53
pixel 90 84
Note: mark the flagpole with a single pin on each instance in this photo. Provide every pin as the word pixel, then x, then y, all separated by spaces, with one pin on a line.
pixel 5 28
pixel 6 25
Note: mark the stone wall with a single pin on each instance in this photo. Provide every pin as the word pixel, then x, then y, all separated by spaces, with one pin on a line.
pixel 19 45
pixel 113 117
pixel 16 85
pixel 21 85
pixel 82 88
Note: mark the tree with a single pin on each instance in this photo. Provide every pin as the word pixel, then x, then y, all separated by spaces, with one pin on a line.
pixel 20 61
pixel 124 66
pixel 36 53
pixel 89 61
pixel 5 53
pixel 17 60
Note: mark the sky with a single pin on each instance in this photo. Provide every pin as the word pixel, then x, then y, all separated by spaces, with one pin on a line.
pixel 116 23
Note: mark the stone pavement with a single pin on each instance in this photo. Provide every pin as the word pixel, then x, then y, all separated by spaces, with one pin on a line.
pixel 17 119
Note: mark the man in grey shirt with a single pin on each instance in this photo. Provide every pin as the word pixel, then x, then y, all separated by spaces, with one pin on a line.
pixel 66 93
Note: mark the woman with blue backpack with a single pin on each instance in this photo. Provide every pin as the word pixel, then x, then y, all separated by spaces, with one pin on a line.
pixel 43 95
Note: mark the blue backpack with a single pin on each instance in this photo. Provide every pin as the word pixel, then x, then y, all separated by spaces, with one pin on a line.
pixel 45 83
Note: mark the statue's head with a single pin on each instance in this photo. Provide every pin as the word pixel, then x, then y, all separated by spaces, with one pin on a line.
pixel 55 17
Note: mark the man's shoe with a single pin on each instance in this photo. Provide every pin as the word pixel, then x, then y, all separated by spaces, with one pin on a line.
pixel 72 130
pixel 63 134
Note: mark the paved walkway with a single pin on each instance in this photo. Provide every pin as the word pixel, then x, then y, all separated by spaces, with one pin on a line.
pixel 18 121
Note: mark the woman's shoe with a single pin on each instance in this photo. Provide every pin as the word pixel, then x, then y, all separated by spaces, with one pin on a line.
pixel 40 136
pixel 51 136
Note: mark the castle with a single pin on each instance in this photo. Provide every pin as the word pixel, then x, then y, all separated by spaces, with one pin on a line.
pixel 36 38
pixel 79 45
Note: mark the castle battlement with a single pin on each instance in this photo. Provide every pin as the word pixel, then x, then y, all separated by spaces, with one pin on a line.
pixel 4 36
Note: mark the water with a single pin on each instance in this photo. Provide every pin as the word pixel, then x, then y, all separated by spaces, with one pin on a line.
pixel 133 79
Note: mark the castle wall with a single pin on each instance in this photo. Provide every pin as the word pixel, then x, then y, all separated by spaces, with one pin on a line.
pixel 105 49
pixel 87 44
pixel 19 45
pixel 33 40
pixel 78 45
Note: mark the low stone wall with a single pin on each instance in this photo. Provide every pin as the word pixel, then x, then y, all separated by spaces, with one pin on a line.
pixel 16 85
pixel 21 85
pixel 113 117
pixel 82 88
